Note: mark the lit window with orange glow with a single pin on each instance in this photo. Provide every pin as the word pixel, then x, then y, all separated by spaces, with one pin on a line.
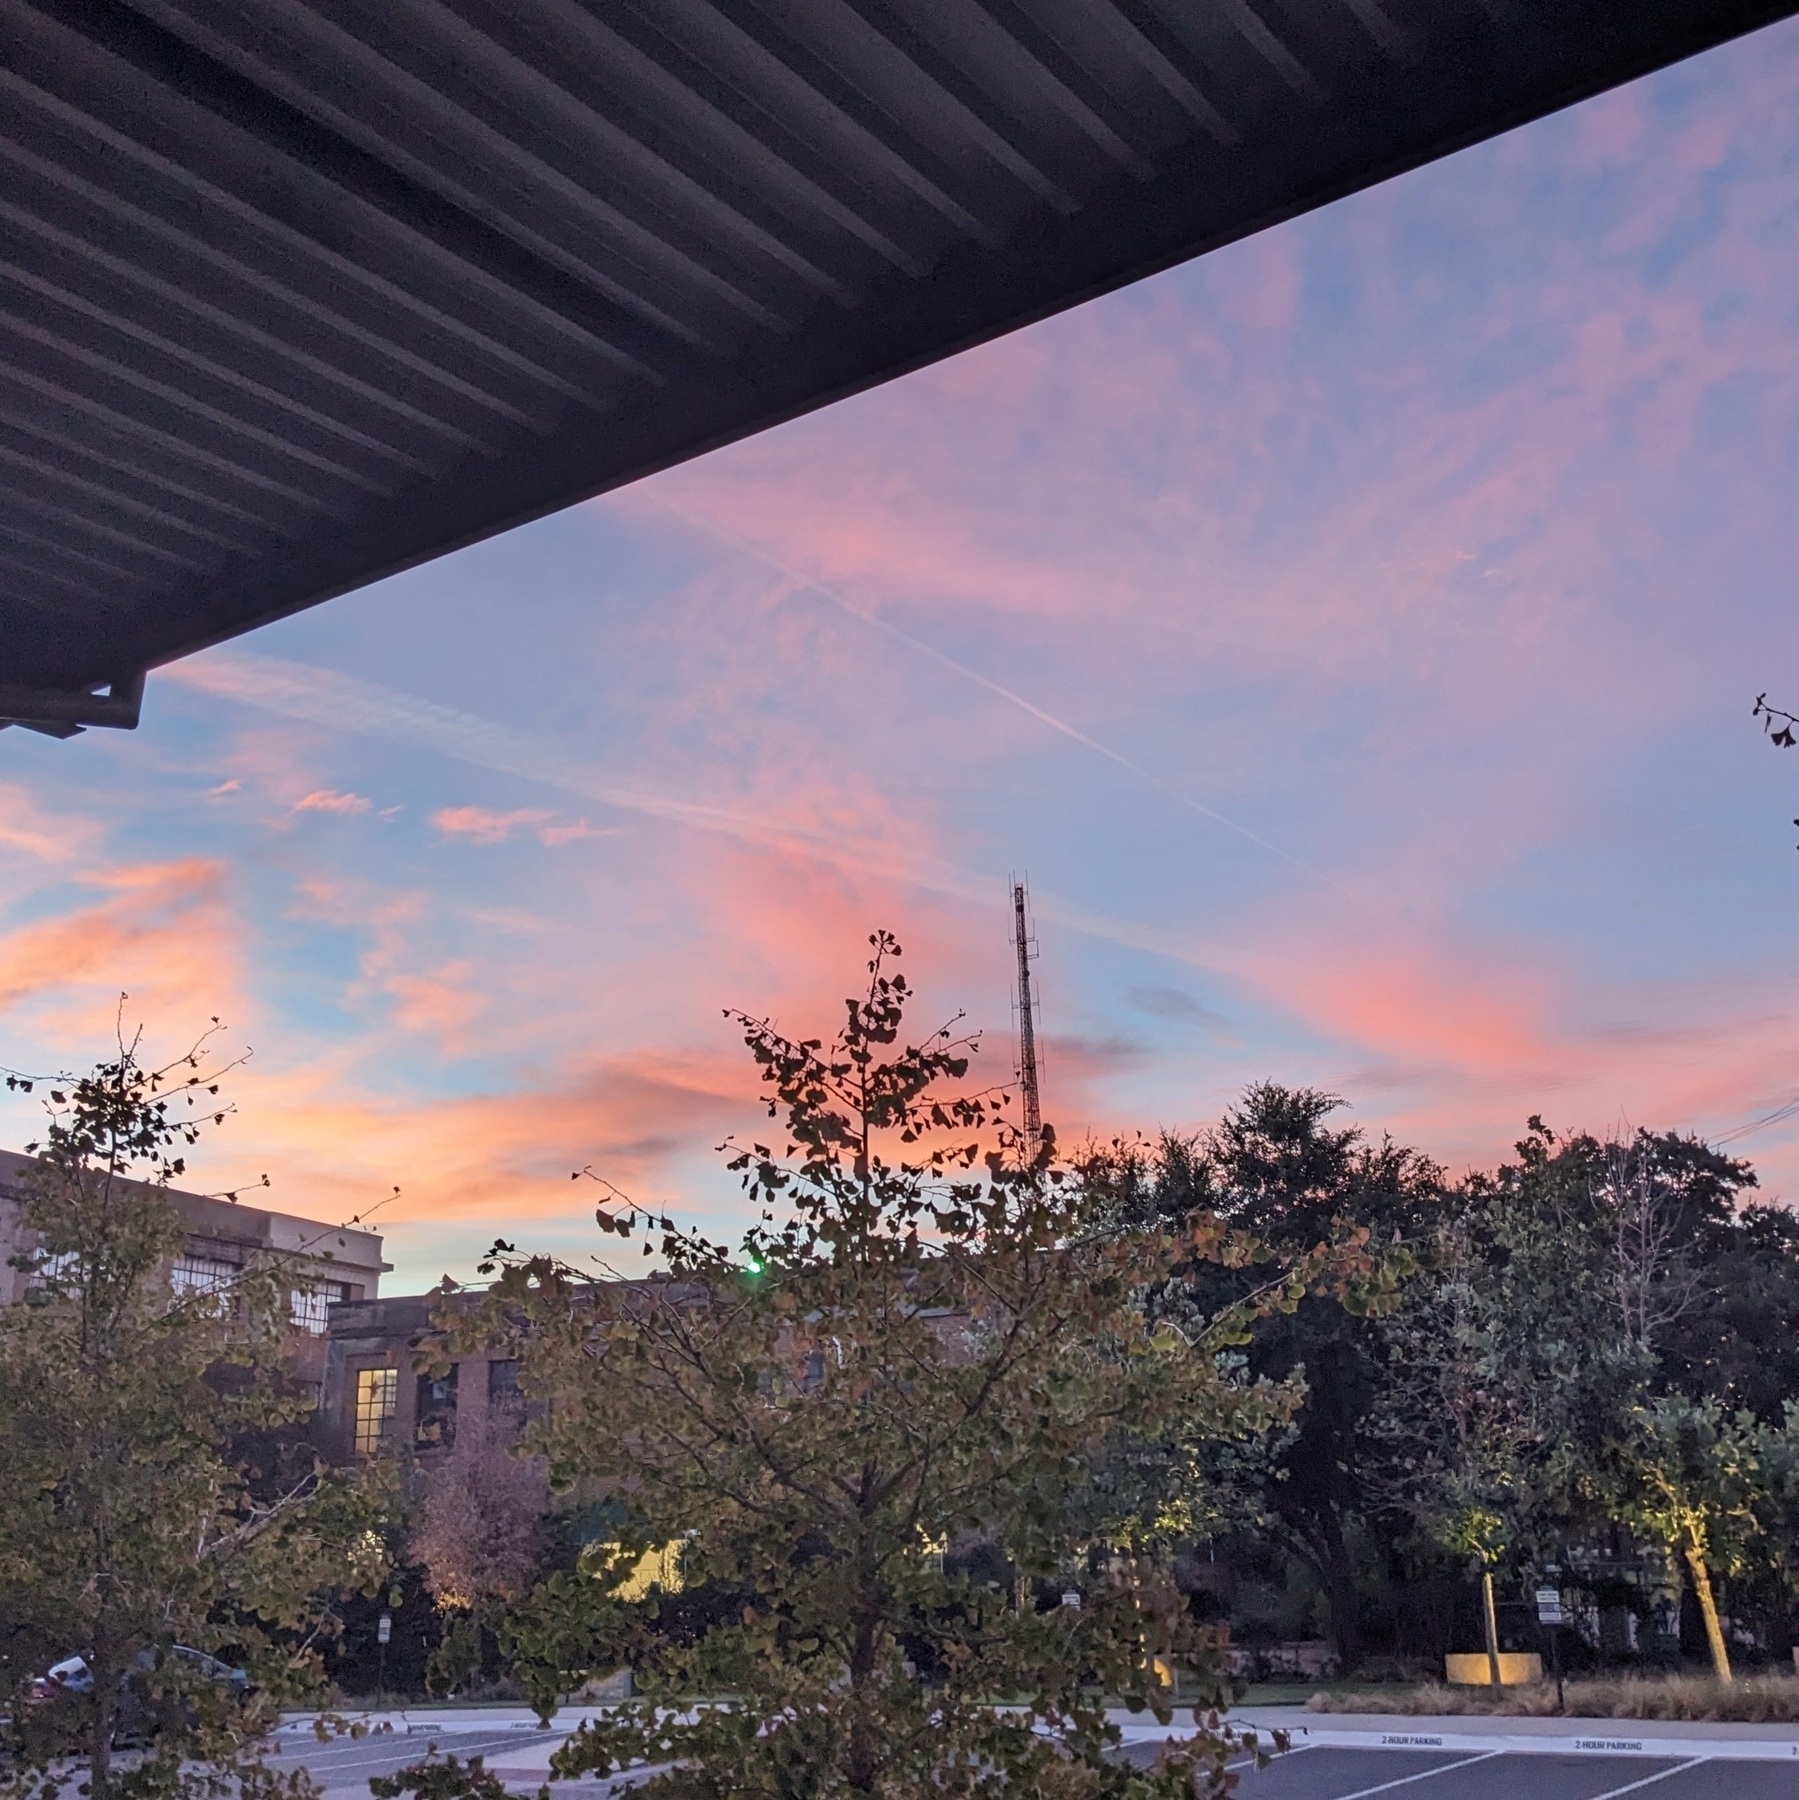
pixel 376 1392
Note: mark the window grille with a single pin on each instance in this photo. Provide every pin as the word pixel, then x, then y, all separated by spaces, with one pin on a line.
pixel 194 1274
pixel 502 1386
pixel 377 1390
pixel 64 1265
pixel 310 1306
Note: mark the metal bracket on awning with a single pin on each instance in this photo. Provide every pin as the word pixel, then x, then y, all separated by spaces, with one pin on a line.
pixel 63 712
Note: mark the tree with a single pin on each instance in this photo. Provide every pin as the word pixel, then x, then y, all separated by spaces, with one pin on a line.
pixel 1274 1170
pixel 481 1536
pixel 1692 1480
pixel 924 1345
pixel 131 1517
pixel 1455 1410
pixel 1635 1315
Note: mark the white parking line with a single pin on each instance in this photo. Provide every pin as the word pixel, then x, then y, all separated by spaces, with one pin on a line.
pixel 1422 1775
pixel 1630 1787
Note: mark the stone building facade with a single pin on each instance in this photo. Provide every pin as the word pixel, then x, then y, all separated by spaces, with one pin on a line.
pixel 330 1265
pixel 375 1402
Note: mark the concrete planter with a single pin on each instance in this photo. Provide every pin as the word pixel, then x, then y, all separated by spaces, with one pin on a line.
pixel 1517 1668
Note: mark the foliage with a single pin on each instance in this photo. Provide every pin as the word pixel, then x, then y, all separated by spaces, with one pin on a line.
pixel 132 1518
pixel 1466 1425
pixel 481 1536
pixel 444 1778
pixel 1690 1478
pixel 1275 1172
pixel 1575 1327
pixel 1777 723
pixel 926 1343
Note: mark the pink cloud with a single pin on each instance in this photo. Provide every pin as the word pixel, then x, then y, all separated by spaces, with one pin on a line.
pixel 481 826
pixel 556 835
pixel 50 838
pixel 164 934
pixel 329 800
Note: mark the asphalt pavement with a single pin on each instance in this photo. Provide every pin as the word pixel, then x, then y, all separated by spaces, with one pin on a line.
pixel 1348 1774
pixel 1714 1767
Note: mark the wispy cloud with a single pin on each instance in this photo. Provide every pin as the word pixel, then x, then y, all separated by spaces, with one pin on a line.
pixel 160 930
pixel 47 837
pixel 805 583
pixel 346 703
pixel 329 800
pixel 578 831
pixel 481 825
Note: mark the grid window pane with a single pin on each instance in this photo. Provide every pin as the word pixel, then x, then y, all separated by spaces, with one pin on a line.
pixel 192 1274
pixel 502 1386
pixel 310 1306
pixel 65 1266
pixel 377 1390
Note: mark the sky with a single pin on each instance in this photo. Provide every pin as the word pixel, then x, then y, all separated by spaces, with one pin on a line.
pixel 1351 635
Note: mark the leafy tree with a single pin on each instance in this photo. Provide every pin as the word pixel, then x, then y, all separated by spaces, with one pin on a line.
pixel 131 1520
pixel 1276 1171
pixel 1578 1300
pixel 1692 1477
pixel 1455 1409
pixel 922 1349
pixel 481 1535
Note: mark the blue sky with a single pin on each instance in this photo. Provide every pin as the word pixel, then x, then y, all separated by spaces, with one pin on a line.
pixel 1352 636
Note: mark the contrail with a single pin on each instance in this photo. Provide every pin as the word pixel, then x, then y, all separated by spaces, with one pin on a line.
pixel 346 703
pixel 804 582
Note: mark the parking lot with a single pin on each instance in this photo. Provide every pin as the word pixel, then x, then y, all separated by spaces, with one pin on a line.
pixel 1341 1774
pixel 520 1754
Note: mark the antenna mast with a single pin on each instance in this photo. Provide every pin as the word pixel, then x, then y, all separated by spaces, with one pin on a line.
pixel 1027 1025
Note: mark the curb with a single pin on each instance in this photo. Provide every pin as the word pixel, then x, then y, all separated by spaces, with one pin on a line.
pixel 1596 1741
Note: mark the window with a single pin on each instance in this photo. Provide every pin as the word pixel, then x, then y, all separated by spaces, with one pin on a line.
pixel 64 1266
pixel 502 1386
pixel 376 1392
pixel 195 1274
pixel 435 1415
pixel 310 1306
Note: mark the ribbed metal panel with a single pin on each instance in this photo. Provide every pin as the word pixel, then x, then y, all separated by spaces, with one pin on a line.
pixel 296 293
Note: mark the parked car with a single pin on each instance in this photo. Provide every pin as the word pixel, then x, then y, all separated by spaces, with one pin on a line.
pixel 142 1714
pixel 70 1676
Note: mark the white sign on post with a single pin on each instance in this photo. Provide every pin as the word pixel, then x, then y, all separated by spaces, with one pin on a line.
pixel 1549 1606
pixel 384 1628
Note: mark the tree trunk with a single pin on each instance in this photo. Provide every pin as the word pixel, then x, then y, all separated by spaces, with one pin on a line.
pixel 1329 1558
pixel 100 1746
pixel 1490 1620
pixel 1708 1607
pixel 862 1763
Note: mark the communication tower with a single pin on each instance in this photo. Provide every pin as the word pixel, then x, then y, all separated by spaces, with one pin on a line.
pixel 1026 946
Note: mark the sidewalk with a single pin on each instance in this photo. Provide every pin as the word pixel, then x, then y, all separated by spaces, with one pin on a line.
pixel 1466 1733
pixel 1477 1732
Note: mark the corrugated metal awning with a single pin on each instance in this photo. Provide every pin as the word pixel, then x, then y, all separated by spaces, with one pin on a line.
pixel 297 293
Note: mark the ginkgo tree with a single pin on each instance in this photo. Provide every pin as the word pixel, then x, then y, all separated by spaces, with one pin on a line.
pixel 156 1492
pixel 919 1350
